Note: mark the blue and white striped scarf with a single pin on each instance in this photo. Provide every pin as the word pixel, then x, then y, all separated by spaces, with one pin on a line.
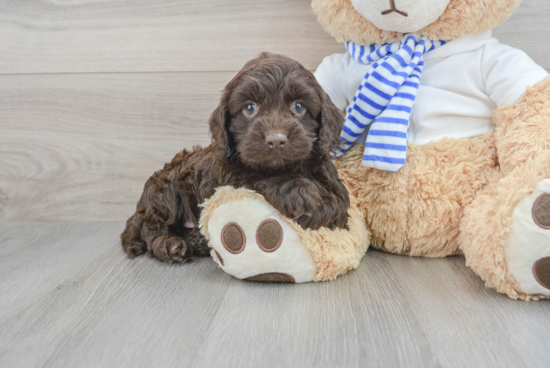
pixel 385 98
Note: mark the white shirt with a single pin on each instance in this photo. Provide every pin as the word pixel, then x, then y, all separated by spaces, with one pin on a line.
pixel 463 82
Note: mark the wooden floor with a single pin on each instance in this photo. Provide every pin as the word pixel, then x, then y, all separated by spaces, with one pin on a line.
pixel 70 298
pixel 94 96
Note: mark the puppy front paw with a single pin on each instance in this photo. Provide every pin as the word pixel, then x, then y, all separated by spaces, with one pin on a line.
pixel 170 248
pixel 295 198
pixel 327 216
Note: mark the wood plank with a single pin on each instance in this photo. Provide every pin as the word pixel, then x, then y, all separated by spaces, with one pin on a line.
pixel 190 35
pixel 361 318
pixel 37 257
pixel 80 147
pixel 115 312
pixel 528 30
pixel 393 311
pixel 468 325
pixel 156 35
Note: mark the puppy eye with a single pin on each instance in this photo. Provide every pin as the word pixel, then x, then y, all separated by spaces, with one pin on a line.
pixel 299 108
pixel 250 109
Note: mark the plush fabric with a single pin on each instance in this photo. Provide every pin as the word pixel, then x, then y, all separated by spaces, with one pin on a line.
pixel 401 15
pixel 529 240
pixel 488 223
pixel 522 144
pixel 417 210
pixel 459 104
pixel 463 195
pixel 333 252
pixel 461 18
pixel 523 128
pixel 483 193
pixel 383 102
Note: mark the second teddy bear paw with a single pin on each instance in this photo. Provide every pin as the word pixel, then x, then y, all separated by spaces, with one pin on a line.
pixel 528 250
pixel 250 241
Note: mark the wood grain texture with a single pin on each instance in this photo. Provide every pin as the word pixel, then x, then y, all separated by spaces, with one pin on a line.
pixel 79 147
pixel 528 30
pixel 39 36
pixel 36 257
pixel 82 146
pixel 458 312
pixel 94 96
pixel 109 311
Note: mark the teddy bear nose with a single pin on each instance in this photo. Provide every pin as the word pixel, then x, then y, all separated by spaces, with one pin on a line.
pixel 394 9
pixel 276 140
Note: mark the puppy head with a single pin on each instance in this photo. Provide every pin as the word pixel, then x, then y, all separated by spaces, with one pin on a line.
pixel 274 114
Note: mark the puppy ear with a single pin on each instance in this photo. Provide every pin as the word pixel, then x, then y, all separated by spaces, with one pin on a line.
pixel 219 122
pixel 220 119
pixel 332 122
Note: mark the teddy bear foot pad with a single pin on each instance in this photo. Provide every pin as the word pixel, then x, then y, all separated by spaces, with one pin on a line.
pixel 259 247
pixel 528 249
pixel 272 277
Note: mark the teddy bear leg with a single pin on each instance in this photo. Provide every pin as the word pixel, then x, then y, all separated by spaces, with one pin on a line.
pixel 523 127
pixel 251 240
pixel 505 232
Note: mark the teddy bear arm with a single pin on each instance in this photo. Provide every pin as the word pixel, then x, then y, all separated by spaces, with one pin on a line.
pixel 523 127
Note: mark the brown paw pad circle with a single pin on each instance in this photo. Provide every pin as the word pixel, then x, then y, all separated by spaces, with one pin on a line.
pixel 269 236
pixel 541 211
pixel 233 238
pixel 271 277
pixel 541 271
pixel 250 241
pixel 220 259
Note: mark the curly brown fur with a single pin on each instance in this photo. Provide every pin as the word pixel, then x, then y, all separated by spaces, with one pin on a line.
pixel 280 147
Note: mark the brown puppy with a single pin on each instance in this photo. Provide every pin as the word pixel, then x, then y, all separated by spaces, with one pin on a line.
pixel 273 132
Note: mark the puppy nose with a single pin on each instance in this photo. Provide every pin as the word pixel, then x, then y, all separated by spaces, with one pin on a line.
pixel 276 140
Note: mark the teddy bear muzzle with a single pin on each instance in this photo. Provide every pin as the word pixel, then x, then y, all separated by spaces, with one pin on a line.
pixel 401 15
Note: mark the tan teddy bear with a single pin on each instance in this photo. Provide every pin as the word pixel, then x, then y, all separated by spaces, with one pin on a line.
pixel 446 146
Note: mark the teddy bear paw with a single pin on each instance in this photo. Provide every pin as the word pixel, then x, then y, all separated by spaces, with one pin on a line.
pixel 528 249
pixel 250 241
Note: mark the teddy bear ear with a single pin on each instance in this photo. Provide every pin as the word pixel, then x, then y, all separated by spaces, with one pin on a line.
pixel 461 17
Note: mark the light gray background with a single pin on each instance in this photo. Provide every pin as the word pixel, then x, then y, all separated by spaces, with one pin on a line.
pixel 94 96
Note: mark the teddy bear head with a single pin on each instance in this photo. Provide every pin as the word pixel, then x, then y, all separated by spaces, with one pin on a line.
pixel 382 21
